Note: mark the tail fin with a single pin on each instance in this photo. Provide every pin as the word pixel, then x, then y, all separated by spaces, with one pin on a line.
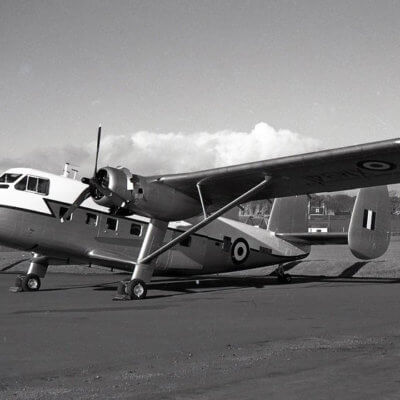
pixel 289 214
pixel 369 231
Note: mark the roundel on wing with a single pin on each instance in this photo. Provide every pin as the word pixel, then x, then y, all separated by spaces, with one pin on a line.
pixel 375 165
pixel 240 251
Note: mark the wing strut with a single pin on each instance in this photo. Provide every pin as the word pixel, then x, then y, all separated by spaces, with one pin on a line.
pixel 201 199
pixel 144 267
pixel 242 198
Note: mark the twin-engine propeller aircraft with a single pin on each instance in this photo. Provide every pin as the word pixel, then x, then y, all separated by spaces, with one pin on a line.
pixel 126 221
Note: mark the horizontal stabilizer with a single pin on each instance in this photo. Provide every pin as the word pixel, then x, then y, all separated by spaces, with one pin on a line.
pixel 315 238
pixel 369 231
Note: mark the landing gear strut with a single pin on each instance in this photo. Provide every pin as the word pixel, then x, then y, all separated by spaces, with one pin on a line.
pixel 152 244
pixel 136 288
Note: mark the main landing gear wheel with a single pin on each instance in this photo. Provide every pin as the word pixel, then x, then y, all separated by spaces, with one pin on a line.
pixel 284 278
pixel 136 289
pixel 29 283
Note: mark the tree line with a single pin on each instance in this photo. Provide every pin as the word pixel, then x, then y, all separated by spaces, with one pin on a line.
pixel 334 203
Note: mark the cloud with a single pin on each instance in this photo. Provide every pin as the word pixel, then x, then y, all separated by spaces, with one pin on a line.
pixel 50 159
pixel 153 153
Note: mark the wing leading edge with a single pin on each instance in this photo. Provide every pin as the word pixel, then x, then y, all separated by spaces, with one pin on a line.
pixel 365 165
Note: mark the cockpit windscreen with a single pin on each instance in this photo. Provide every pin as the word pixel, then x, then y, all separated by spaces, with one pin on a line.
pixel 9 178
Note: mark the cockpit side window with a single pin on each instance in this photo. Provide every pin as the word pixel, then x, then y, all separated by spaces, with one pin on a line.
pixel 21 185
pixel 9 178
pixel 34 184
pixel 43 186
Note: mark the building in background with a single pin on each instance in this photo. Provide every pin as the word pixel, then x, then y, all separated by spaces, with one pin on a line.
pixel 321 217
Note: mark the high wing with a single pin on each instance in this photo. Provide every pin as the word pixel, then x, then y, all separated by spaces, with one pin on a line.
pixel 370 164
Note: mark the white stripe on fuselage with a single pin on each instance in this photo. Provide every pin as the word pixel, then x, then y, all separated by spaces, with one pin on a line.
pixel 64 190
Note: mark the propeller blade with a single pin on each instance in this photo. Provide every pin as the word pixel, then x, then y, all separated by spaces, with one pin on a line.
pixel 79 200
pixel 98 149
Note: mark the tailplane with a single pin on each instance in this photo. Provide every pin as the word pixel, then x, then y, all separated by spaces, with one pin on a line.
pixel 369 231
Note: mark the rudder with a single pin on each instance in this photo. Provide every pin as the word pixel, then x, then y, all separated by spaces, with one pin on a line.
pixel 289 214
pixel 369 231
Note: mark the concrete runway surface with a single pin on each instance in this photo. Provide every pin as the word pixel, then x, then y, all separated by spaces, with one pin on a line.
pixel 227 337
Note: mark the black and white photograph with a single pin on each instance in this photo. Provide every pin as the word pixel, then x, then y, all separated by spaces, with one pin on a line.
pixel 199 200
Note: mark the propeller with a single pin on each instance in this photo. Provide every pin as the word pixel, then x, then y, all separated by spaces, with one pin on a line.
pixel 97 186
pixel 97 150
pixel 79 200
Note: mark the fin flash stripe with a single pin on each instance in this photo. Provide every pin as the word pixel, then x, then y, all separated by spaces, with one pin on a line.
pixel 369 219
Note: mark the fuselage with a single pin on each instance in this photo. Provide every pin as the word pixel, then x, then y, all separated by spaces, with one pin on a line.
pixel 32 203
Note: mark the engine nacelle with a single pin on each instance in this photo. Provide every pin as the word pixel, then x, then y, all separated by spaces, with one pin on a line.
pixel 135 194
pixel 118 181
pixel 155 199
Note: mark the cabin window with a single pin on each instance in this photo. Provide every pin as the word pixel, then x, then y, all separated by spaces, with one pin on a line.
pixel 186 242
pixel 91 219
pixel 34 184
pixel 62 211
pixel 136 229
pixel 9 178
pixel 111 224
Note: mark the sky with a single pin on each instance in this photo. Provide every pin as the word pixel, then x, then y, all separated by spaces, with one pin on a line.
pixel 186 85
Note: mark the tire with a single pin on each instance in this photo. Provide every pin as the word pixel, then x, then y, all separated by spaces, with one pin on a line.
pixel 18 281
pixel 30 283
pixel 136 289
pixel 285 278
